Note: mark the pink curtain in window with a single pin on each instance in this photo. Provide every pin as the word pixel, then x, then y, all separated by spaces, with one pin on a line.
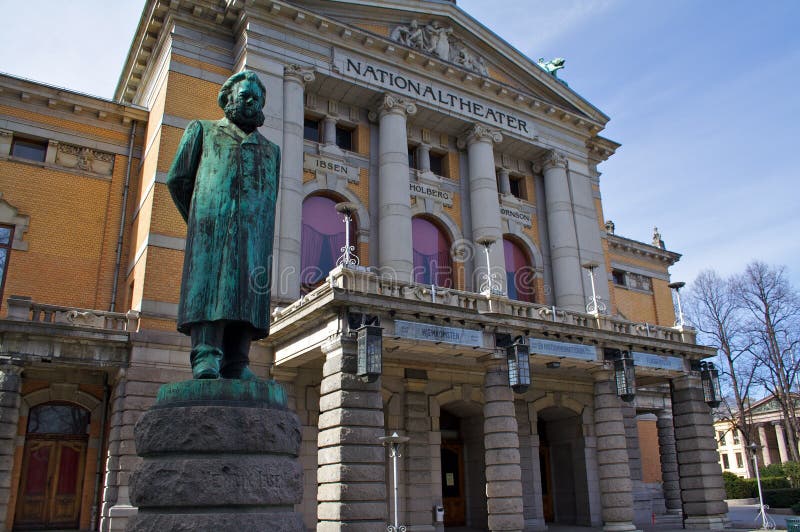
pixel 322 238
pixel 519 273
pixel 432 263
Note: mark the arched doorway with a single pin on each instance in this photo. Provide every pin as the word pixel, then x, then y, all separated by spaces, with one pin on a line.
pixel 49 495
pixel 562 465
pixel 463 465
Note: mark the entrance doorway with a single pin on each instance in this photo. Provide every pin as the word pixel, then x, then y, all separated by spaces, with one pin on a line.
pixel 463 465
pixel 562 465
pixel 53 464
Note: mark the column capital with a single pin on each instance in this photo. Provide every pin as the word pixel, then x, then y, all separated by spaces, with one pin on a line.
pixel 298 74
pixel 392 103
pixel 479 133
pixel 552 159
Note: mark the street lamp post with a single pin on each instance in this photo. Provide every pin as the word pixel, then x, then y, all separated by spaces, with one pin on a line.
pixel 766 521
pixel 394 451
pixel 677 287
pixel 491 283
pixel 348 257
pixel 595 306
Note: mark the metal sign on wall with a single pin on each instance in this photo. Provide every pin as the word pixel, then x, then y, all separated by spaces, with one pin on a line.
pixel 563 349
pixel 650 360
pixel 436 333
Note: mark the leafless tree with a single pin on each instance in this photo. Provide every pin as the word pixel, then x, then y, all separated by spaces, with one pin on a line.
pixel 713 309
pixel 770 309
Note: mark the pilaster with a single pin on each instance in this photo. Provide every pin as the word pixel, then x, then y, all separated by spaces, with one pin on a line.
pixel 10 385
pixel 614 472
pixel 501 443
pixel 351 476
pixel 286 281
pixel 702 489
pixel 669 462
pixel 417 459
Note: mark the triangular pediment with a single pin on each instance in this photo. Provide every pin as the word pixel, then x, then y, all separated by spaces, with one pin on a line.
pixel 443 32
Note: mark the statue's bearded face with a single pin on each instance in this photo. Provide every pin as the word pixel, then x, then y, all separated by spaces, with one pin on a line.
pixel 244 106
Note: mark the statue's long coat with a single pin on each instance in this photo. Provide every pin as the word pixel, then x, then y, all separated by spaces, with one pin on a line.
pixel 224 183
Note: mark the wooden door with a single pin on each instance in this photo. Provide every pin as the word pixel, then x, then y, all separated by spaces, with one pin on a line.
pixel 50 488
pixel 547 483
pixel 455 508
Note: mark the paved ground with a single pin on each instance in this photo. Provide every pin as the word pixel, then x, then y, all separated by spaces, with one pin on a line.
pixel 743 517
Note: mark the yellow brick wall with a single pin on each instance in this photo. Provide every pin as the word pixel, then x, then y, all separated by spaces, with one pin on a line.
pixel 665 311
pixel 163 279
pixel 635 305
pixel 192 98
pixel 169 221
pixel 200 64
pixel 74 223
pixel 59 123
pixel 648 445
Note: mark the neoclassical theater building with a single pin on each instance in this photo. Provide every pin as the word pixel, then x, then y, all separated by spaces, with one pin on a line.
pixel 442 270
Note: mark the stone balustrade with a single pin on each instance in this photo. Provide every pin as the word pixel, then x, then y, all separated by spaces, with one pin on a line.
pixel 365 281
pixel 24 309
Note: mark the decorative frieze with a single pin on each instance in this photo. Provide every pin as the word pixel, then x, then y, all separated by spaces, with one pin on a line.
pixel 84 159
pixel 437 40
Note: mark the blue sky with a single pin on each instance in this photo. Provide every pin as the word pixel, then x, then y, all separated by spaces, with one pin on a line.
pixel 702 94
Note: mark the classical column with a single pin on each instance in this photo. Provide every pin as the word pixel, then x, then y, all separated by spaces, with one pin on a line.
pixel 702 490
pixel 501 445
pixel 395 253
pixel 505 181
pixel 614 473
pixel 10 384
pixel 424 158
pixel 527 419
pixel 632 440
pixel 762 438
pixel 329 131
pixel 669 462
pixel 351 484
pixel 781 437
pixel 286 281
pixel 417 459
pixel 484 206
pixel 562 234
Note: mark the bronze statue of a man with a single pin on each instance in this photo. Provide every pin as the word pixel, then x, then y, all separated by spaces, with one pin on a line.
pixel 224 181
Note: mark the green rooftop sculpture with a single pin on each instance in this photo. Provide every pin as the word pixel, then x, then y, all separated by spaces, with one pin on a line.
pixel 224 181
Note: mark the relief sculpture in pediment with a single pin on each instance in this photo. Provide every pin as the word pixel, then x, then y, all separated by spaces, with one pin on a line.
pixel 437 40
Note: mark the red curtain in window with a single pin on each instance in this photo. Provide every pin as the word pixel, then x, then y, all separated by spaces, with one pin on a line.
pixel 519 273
pixel 322 239
pixel 432 263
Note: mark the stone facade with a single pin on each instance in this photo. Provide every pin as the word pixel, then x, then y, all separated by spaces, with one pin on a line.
pixel 492 156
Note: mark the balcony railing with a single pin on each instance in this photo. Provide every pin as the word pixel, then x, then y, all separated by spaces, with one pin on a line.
pixel 364 281
pixel 24 309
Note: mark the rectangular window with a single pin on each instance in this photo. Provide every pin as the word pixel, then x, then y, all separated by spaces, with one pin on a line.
pixel 726 464
pixel 721 437
pixel 517 185
pixel 739 462
pixel 437 164
pixel 412 157
pixel 34 150
pixel 736 437
pixel 618 277
pixel 6 238
pixel 311 129
pixel 639 282
pixel 344 138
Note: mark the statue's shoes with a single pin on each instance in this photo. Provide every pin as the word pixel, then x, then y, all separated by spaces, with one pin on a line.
pixel 247 374
pixel 206 368
pixel 242 372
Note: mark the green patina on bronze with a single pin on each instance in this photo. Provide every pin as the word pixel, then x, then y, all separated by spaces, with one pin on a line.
pixel 260 392
pixel 224 182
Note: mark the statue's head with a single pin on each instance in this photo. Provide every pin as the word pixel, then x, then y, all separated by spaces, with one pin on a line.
pixel 241 98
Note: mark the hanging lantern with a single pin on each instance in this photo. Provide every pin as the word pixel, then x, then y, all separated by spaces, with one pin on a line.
pixel 625 376
pixel 519 365
pixel 370 350
pixel 709 376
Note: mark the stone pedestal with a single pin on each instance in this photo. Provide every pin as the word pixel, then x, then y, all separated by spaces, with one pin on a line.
pixel 218 455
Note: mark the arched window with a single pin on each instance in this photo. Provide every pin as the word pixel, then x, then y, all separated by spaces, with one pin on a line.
pixel 519 272
pixel 432 264
pixel 58 418
pixel 322 239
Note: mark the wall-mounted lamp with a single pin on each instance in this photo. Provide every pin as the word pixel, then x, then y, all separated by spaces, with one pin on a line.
pixel 370 350
pixel 625 376
pixel 518 360
pixel 709 376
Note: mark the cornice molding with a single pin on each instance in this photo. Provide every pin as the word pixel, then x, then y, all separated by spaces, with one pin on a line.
pixel 640 248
